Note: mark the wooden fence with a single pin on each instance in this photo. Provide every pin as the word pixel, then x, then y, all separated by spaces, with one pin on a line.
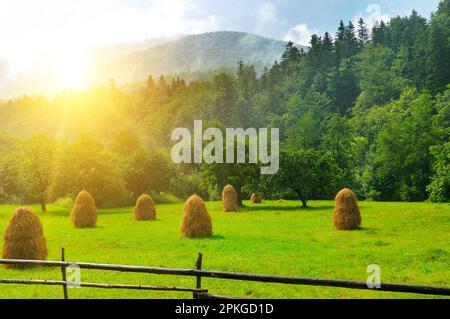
pixel 198 291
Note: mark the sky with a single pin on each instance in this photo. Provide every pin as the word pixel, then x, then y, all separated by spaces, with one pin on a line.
pixel 59 30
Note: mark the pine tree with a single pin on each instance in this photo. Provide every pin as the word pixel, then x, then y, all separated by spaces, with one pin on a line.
pixel 438 63
pixel 315 52
pixel 150 84
pixel 379 33
pixel 351 41
pixel 328 53
pixel 341 32
pixel 363 33
pixel 290 57
pixel 346 42
pixel 275 74
pixel 163 87
pixel 339 41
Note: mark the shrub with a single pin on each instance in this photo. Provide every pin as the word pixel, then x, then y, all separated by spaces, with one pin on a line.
pixel 65 202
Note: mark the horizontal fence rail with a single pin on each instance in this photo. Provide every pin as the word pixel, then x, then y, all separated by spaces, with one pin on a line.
pixel 100 286
pixel 424 290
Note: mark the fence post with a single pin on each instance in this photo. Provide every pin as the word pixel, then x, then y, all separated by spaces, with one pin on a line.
pixel 64 276
pixel 198 266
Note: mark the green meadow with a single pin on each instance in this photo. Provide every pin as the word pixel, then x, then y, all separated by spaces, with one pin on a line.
pixel 410 242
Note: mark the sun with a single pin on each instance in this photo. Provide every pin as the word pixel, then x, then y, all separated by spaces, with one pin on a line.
pixel 70 68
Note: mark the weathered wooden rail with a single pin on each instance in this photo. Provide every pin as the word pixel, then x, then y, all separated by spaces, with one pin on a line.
pixel 197 272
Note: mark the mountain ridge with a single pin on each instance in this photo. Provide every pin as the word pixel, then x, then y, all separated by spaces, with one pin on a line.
pixel 194 53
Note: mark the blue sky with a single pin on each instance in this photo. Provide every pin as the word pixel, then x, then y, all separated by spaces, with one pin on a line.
pixel 321 15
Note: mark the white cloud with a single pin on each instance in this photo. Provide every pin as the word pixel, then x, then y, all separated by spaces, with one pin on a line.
pixel 266 18
pixel 300 34
pixel 373 16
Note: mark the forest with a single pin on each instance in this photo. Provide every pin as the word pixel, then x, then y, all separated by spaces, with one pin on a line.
pixel 363 109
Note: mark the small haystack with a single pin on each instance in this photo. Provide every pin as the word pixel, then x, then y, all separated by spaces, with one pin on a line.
pixel 196 222
pixel 84 211
pixel 346 212
pixel 24 237
pixel 230 200
pixel 145 208
pixel 256 198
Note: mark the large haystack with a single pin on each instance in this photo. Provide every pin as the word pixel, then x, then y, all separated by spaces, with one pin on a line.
pixel 256 198
pixel 145 208
pixel 196 222
pixel 346 212
pixel 230 200
pixel 24 237
pixel 84 212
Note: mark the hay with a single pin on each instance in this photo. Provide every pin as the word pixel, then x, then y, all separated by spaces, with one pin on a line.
pixel 196 222
pixel 84 212
pixel 145 208
pixel 256 198
pixel 230 201
pixel 24 237
pixel 346 212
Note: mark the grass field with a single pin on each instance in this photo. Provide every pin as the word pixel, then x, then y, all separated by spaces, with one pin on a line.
pixel 410 242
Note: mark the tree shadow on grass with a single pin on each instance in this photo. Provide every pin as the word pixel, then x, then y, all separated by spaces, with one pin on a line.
pixel 89 228
pixel 65 212
pixel 368 230
pixel 120 211
pixel 212 238
pixel 149 221
pixel 250 209
pixel 315 208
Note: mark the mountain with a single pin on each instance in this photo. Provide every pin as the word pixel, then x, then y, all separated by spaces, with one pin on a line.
pixel 193 53
pixel 100 54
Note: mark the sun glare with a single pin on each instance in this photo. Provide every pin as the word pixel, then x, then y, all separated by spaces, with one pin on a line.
pixel 70 68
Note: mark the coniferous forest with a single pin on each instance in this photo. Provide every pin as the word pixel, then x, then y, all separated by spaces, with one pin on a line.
pixel 364 109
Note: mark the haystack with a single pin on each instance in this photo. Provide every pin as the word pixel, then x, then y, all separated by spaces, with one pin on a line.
pixel 196 222
pixel 145 208
pixel 24 237
pixel 230 201
pixel 346 212
pixel 84 212
pixel 256 198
